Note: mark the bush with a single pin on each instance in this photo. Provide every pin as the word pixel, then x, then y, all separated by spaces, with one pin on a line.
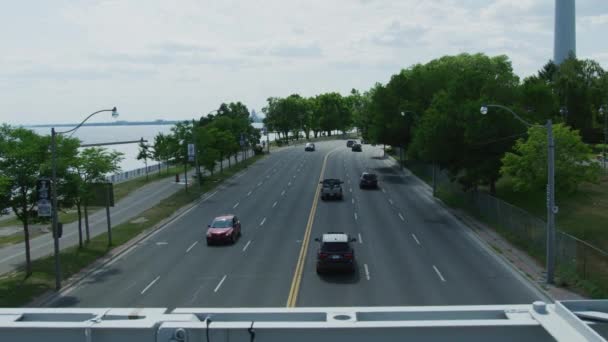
pixel 258 149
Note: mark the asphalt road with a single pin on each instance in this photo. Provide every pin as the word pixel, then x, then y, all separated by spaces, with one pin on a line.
pixel 410 251
pixel 129 207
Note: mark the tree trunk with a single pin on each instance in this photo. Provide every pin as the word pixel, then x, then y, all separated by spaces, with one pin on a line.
pixel 493 187
pixel 316 133
pixel 86 222
pixel 222 164
pixel 229 163
pixel 236 158
pixel 79 224
pixel 160 167
pixel 146 164
pixel 26 232
pixel 307 134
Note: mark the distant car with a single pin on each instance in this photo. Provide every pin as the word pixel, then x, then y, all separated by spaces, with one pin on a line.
pixel 363 142
pixel 357 148
pixel 368 180
pixel 331 188
pixel 224 229
pixel 350 143
pixel 309 147
pixel 335 253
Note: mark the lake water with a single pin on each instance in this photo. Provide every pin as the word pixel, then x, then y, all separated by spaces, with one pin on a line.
pixel 104 134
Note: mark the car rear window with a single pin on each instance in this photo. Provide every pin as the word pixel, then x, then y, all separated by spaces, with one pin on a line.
pixel 335 247
pixel 223 223
pixel 369 177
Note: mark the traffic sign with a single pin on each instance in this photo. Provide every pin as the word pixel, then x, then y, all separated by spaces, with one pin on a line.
pixel 191 152
pixel 44 208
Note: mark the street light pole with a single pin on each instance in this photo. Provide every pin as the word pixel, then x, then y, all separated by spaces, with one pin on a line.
pixel 55 220
pixel 551 207
pixel 54 208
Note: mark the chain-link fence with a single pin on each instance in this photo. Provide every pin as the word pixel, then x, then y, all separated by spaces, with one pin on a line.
pixel 576 260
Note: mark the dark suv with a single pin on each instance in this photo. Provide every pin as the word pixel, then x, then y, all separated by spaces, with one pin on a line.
pixel 335 253
pixel 368 180
pixel 331 188
pixel 356 148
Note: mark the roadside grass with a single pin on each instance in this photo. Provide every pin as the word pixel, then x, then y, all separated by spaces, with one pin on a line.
pixel 17 290
pixel 583 214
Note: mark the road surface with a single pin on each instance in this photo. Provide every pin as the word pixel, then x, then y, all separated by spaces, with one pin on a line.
pixel 410 250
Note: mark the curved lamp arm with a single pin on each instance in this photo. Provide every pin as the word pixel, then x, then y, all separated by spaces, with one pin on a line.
pixel 114 114
pixel 484 111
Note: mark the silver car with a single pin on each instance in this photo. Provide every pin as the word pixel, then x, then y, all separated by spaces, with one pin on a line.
pixel 331 188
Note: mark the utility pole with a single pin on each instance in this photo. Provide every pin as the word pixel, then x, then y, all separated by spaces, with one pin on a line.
pixel 551 207
pixel 54 208
pixel 197 166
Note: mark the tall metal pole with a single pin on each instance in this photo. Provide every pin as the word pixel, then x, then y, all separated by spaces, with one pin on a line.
pixel 551 207
pixel 605 141
pixel 54 208
pixel 108 186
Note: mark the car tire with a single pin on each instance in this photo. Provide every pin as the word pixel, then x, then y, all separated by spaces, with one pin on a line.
pixel 208 243
pixel 233 239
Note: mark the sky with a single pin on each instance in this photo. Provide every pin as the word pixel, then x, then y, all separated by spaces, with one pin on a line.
pixel 63 59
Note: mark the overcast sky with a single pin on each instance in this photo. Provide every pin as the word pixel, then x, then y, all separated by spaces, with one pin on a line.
pixel 61 60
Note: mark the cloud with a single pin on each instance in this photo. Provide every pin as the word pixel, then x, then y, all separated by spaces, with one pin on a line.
pixel 398 34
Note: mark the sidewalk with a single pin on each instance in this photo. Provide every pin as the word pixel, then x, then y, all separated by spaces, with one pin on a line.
pixel 517 258
pixel 140 200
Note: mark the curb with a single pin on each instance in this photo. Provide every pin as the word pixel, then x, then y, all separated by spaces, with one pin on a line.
pixel 68 284
pixel 468 221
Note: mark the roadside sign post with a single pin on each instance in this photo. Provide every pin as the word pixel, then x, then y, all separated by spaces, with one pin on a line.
pixel 43 191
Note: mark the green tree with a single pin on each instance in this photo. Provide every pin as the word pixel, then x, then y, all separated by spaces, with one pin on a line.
pixel 24 158
pixel 144 154
pixel 527 164
pixel 92 165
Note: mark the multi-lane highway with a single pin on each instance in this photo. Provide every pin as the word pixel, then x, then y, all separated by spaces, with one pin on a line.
pixel 410 250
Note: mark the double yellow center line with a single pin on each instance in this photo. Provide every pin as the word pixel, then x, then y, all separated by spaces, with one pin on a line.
pixel 297 276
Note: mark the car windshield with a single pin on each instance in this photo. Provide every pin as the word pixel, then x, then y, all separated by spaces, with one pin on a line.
pixel 173 130
pixel 335 247
pixel 222 223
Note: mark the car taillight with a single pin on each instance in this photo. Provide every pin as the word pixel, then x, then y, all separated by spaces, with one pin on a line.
pixel 348 255
pixel 323 255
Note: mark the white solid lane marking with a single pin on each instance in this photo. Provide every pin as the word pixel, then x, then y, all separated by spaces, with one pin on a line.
pixel 401 217
pixel 366 272
pixel 360 238
pixel 263 220
pixel 236 205
pixel 191 246
pixel 246 245
pixel 150 285
pixel 438 273
pixel 249 193
pixel 274 204
pixel 356 216
pixel 416 239
pixel 283 193
pixel 220 283
pixel 210 195
pixel 390 201
pixel 162 243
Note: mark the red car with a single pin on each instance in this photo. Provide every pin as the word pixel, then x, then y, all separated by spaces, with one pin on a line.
pixel 224 229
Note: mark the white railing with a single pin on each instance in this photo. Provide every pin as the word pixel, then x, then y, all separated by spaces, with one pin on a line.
pixel 562 321
pixel 128 175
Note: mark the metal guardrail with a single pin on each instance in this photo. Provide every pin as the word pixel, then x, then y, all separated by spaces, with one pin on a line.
pixel 562 321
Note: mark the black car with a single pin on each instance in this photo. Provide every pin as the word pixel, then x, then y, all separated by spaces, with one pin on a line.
pixel 357 148
pixel 309 147
pixel 335 253
pixel 350 143
pixel 368 180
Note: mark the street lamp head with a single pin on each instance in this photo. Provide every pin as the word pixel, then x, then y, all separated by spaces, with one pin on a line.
pixel 483 110
pixel 114 113
pixel 402 113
